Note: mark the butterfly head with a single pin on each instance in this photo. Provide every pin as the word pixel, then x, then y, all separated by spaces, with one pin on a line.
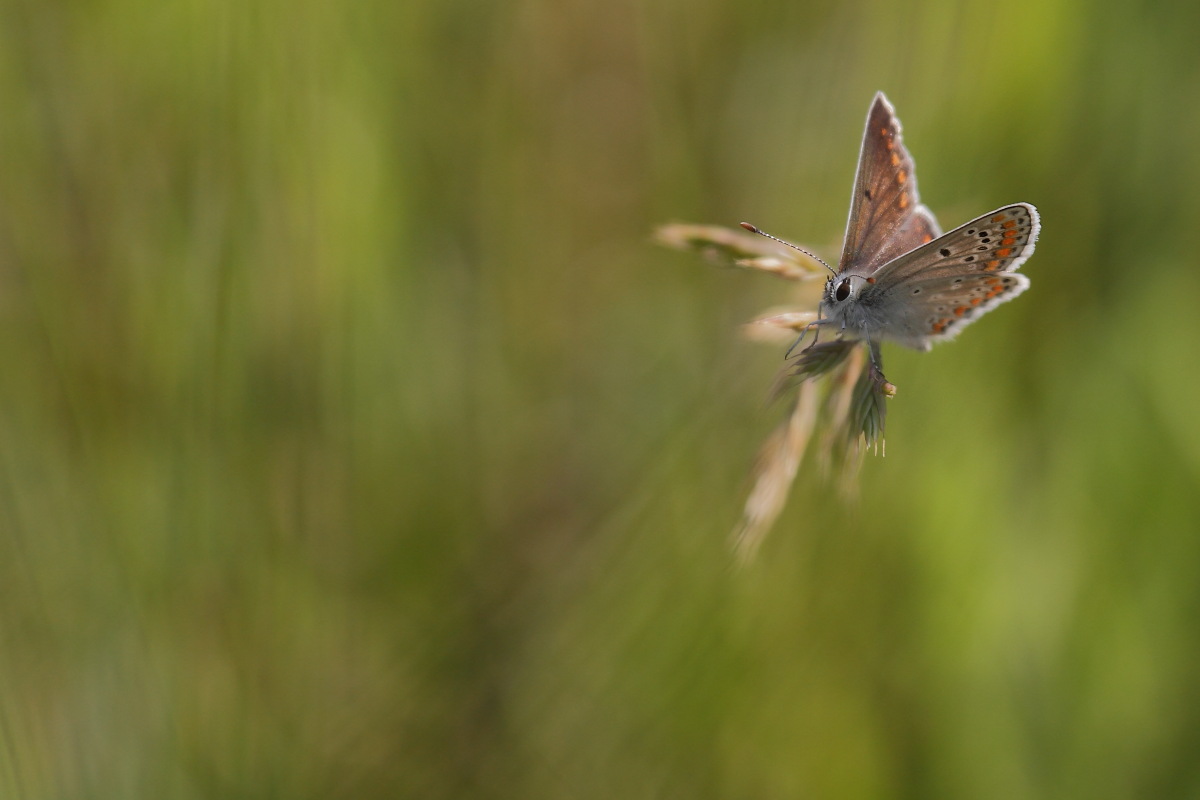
pixel 841 289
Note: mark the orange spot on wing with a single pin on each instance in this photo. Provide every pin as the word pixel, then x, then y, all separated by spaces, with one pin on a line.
pixel 958 312
pixel 895 159
pixel 976 301
pixel 997 218
pixel 901 177
pixel 1004 252
pixel 1009 240
pixel 926 239
pixel 1012 223
pixel 993 265
pixel 904 200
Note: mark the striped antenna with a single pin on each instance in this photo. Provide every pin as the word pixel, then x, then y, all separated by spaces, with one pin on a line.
pixel 813 256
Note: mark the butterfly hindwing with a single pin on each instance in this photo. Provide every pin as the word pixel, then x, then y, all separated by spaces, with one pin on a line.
pixel 926 310
pixel 886 215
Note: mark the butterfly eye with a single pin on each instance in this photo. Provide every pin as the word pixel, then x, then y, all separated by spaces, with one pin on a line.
pixel 843 291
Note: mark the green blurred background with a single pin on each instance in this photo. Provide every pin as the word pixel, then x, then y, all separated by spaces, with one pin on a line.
pixel 357 441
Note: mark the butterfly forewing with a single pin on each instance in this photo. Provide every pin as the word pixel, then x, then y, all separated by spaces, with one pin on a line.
pixel 936 290
pixel 886 215
pixel 999 241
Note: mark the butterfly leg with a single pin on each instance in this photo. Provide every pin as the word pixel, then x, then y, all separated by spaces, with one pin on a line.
pixel 877 375
pixel 804 332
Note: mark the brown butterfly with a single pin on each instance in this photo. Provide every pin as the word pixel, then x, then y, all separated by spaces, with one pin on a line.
pixel 899 278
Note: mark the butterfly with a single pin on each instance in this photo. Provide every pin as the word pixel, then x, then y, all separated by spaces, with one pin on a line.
pixel 899 277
